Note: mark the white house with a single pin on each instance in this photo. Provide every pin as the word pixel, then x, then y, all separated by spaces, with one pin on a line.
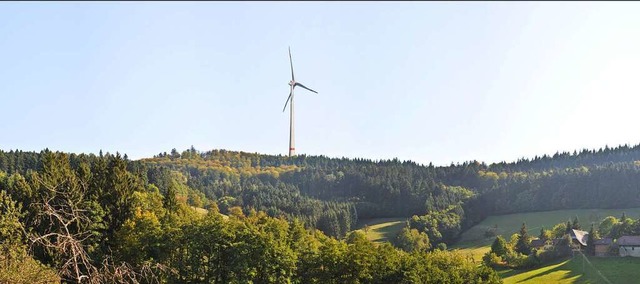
pixel 629 246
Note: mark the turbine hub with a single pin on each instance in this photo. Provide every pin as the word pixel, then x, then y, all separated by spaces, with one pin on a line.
pixel 292 82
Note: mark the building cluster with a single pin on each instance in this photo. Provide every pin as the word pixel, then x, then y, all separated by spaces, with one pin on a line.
pixel 622 246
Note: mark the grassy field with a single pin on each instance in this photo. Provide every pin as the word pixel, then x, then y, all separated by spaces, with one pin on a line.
pixel 574 270
pixel 566 271
pixel 381 229
pixel 474 249
pixel 510 224
pixel 618 270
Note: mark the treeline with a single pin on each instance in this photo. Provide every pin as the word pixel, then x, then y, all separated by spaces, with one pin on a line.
pixel 104 219
pixel 601 178
pixel 332 194
pixel 613 185
pixel 324 193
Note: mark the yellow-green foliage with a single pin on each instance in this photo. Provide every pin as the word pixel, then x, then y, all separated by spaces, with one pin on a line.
pixel 228 162
pixel 24 269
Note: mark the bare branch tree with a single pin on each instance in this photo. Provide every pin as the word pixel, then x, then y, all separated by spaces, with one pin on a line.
pixel 62 209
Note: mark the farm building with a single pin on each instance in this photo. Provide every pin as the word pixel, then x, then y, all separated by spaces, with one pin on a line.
pixel 629 246
pixel 579 237
pixel 602 246
pixel 537 243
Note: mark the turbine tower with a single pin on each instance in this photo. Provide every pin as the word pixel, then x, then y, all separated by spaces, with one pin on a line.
pixel 292 85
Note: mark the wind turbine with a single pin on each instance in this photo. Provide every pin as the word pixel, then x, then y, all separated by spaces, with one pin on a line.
pixel 292 85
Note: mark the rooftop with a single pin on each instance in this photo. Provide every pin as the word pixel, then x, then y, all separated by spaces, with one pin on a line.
pixel 629 241
pixel 603 241
pixel 580 236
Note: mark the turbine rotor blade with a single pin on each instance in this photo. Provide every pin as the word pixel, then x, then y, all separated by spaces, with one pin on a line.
pixel 285 104
pixel 291 62
pixel 298 84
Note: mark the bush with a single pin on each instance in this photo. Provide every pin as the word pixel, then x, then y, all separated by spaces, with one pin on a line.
pixel 492 260
pixel 531 261
pixel 499 246
pixel 560 250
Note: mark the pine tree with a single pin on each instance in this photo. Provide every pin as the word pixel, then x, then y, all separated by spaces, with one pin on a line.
pixel 569 227
pixel 499 246
pixel 576 224
pixel 523 246
pixel 170 201
pixel 591 248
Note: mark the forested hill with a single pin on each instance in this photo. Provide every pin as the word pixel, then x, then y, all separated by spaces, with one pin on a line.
pixel 104 219
pixel 585 157
pixel 332 194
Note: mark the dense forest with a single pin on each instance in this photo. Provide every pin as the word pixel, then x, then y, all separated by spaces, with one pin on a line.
pixel 331 194
pixel 222 216
pixel 105 219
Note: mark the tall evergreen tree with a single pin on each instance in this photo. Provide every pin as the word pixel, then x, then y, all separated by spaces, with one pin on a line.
pixel 569 227
pixel 591 248
pixel 523 246
pixel 576 224
pixel 170 200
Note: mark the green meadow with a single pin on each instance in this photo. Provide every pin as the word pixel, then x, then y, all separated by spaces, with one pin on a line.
pixel 381 229
pixel 578 270
pixel 510 224
pixel 573 270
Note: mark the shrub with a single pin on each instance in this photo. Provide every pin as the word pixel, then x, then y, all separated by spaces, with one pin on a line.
pixel 492 260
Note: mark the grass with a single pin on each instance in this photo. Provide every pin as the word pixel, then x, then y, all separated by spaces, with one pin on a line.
pixel 618 270
pixel 381 229
pixel 566 271
pixel 475 249
pixel 573 270
pixel 510 224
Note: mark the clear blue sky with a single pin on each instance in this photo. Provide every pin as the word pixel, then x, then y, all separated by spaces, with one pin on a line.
pixel 423 81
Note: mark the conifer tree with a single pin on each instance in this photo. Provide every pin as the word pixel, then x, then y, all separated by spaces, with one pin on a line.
pixel 591 248
pixel 523 246
pixel 576 224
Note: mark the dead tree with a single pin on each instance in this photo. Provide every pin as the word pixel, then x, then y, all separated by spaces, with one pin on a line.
pixel 64 216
